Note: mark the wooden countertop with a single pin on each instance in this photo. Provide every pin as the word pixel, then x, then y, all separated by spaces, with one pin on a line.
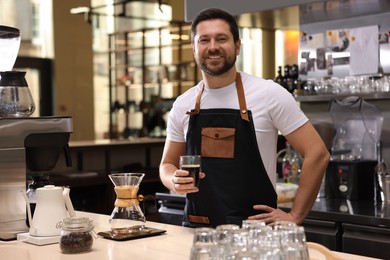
pixel 174 244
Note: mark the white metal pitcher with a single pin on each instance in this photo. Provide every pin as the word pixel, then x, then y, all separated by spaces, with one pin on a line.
pixel 53 205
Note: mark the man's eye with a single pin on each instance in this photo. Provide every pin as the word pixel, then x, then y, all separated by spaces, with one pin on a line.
pixel 203 40
pixel 221 39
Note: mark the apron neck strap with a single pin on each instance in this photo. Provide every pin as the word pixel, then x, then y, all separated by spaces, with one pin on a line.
pixel 241 99
pixel 197 104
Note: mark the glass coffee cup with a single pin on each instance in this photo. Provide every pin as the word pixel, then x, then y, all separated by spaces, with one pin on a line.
pixel 192 164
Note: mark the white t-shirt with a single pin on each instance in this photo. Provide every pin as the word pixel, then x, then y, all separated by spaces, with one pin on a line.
pixel 273 109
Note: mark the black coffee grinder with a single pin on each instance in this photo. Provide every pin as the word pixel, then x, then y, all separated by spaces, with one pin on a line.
pixel 354 153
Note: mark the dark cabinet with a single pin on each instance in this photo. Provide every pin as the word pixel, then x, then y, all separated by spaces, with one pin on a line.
pixel 359 227
pixel 326 233
pixel 366 240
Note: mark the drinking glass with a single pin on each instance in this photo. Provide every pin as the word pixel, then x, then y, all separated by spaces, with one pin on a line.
pixel 192 164
pixel 270 247
pixel 246 255
pixel 252 223
pixel 240 242
pixel 204 245
pixel 284 225
pixel 384 84
pixel 224 238
pixel 258 232
pixel 294 243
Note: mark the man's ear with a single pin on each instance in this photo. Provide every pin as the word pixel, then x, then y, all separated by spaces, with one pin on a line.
pixel 238 46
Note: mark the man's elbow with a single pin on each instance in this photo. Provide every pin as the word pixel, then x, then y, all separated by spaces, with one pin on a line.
pixel 324 156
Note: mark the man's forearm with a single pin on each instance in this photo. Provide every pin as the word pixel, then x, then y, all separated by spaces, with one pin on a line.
pixel 166 172
pixel 313 170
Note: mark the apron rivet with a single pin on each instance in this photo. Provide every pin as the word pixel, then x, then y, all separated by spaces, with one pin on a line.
pixel 243 111
pixel 216 135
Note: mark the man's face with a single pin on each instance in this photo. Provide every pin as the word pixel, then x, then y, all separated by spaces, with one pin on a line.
pixel 214 48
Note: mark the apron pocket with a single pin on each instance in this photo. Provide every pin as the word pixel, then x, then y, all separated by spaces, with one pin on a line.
pixel 217 142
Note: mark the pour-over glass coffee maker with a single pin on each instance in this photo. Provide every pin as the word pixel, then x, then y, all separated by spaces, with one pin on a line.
pixel 127 216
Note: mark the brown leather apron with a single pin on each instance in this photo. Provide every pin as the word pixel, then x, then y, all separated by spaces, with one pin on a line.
pixel 235 175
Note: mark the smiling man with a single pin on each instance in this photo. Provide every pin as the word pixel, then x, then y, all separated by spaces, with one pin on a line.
pixel 213 59
pixel 232 120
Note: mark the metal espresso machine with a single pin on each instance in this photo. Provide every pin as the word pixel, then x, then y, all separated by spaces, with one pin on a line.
pixel 355 150
pixel 29 146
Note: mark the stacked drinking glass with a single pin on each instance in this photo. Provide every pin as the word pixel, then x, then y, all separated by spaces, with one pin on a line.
pixel 253 240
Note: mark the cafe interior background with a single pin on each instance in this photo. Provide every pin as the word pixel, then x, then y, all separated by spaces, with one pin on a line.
pixel 115 67
pixel 74 53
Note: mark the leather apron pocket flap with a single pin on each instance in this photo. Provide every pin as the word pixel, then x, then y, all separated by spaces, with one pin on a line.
pixel 218 142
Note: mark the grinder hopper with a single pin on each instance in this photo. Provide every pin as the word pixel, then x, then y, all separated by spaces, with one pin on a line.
pixel 355 150
pixel 358 127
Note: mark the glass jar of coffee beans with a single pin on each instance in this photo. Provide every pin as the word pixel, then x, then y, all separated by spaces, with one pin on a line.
pixel 76 235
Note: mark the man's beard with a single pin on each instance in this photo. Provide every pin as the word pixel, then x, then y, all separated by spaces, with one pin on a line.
pixel 226 66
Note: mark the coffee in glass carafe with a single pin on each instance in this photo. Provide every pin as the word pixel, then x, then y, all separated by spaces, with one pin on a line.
pixel 127 216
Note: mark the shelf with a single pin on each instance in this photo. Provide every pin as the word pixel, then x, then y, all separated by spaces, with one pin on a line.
pixel 141 49
pixel 328 97
pixel 144 64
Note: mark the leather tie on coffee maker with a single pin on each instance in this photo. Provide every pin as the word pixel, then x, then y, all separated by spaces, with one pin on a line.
pixel 127 196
